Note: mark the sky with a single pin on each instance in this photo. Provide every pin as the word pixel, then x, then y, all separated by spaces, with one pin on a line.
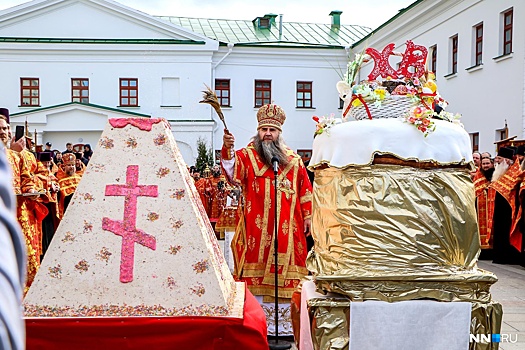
pixel 369 13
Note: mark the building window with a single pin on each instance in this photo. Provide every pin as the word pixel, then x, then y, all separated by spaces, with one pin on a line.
pixel 170 92
pixel 129 92
pixel 263 92
pixel 305 154
pixel 475 141
pixel 478 56
pixel 80 90
pixel 454 56
pixel 433 59
pixel 222 89
pixel 507 32
pixel 502 134
pixel 30 92
pixel 304 94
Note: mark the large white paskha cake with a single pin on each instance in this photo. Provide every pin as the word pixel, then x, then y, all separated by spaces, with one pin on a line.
pixel 394 214
pixel 355 143
pixel 135 240
pixel 394 221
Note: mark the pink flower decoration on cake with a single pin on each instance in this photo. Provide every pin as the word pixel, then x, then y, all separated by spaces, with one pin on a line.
pixel 171 283
pixel 104 254
pixel 163 172
pixel 98 168
pixel 82 266
pixel 131 142
pixel 55 272
pixel 160 140
pixel 88 226
pixel 176 223
pixel 179 193
pixel 69 237
pixel 198 290
pixel 201 266
pixel 173 250
pixel 153 216
pixel 106 142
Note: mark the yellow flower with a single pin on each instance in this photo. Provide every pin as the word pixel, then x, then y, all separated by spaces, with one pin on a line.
pixel 431 85
pixel 356 103
pixel 380 93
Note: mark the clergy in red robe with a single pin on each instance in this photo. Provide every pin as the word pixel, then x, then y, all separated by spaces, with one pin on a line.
pixel 49 198
pixel 484 208
pixel 68 182
pixel 504 188
pixel 29 212
pixel 253 243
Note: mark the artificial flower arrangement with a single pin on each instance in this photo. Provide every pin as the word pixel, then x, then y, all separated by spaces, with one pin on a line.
pixel 410 91
pixel 421 118
pixel 419 90
pixel 325 123
pixel 411 79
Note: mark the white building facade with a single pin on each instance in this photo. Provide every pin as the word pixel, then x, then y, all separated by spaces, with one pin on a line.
pixel 479 59
pixel 69 65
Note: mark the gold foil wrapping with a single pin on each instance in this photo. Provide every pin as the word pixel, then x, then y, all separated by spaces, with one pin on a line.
pixel 330 322
pixel 392 232
pixel 485 320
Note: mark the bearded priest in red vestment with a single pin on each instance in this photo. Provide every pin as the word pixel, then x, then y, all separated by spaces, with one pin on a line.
pixel 252 245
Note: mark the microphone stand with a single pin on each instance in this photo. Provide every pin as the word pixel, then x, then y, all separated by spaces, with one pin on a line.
pixel 274 343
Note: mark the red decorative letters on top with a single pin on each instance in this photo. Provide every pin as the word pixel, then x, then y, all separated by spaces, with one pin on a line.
pixel 413 59
pixel 381 65
pixel 415 56
pixel 127 228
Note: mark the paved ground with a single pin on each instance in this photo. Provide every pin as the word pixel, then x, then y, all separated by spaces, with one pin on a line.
pixel 509 291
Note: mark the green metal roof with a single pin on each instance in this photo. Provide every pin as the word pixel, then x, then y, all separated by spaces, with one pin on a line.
pixel 244 32
pixel 97 41
pixel 79 104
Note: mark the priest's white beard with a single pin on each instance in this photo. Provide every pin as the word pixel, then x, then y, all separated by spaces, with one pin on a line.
pixel 499 170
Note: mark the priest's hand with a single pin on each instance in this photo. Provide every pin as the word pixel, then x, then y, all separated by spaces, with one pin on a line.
pixel 19 145
pixel 307 224
pixel 55 187
pixel 228 140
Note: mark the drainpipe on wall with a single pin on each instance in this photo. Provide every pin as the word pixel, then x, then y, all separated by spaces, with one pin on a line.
pixel 214 67
pixel 280 26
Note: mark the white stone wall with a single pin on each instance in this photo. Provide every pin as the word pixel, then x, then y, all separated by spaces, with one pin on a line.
pixel 486 97
pixel 191 66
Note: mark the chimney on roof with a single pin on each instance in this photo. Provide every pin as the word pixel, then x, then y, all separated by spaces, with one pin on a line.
pixel 336 19
pixel 272 17
pixel 265 22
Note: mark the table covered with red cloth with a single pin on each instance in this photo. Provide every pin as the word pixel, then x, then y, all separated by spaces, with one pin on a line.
pixel 186 332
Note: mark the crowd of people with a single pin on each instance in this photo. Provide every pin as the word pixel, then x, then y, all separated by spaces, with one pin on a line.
pixel 498 184
pixel 215 192
pixel 43 183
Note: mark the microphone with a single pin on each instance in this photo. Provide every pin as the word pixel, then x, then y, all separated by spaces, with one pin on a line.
pixel 275 163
